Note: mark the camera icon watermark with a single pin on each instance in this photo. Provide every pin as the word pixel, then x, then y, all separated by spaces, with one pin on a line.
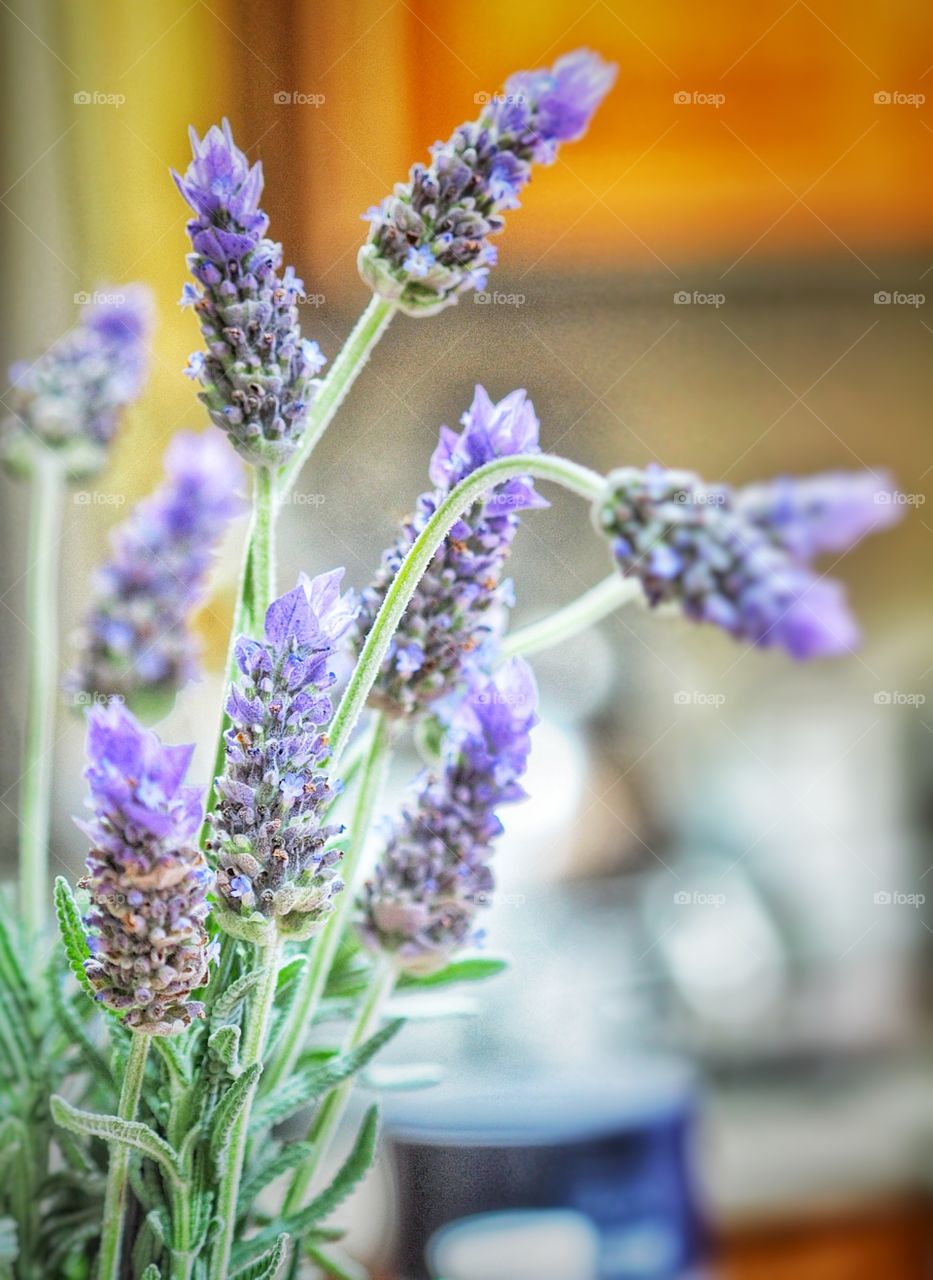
pixel 696 98
pixel 98 299
pixel 87 698
pixel 696 298
pixel 303 499
pixel 896 898
pixel 497 299
pixel 895 498
pixel 896 98
pixel 896 698
pixel 497 899
pixel 897 298
pixel 297 98
pixel 94 98
pixel 697 698
pixel 98 498
pixel 697 898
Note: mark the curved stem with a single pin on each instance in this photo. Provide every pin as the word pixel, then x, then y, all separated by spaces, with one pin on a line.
pixel 541 466
pixel 45 514
pixel 314 978
pixel 111 1243
pixel 256 1022
pixel 347 365
pixel 590 607
pixel 329 1114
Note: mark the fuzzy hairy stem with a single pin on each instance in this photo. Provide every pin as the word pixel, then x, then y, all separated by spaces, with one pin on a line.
pixel 540 466
pixel 115 1200
pixel 256 1024
pixel 42 569
pixel 329 1114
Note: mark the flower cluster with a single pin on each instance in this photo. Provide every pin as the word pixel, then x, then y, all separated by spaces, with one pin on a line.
pixel 740 559
pixel 810 515
pixel 273 859
pixel 258 372
pixel 147 879
pixel 429 240
pixel 434 874
pixel 455 605
pixel 69 400
pixel 137 636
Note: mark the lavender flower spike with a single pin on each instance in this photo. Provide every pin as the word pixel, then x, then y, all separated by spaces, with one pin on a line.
pixel 147 879
pixel 434 875
pixel 454 609
pixel 275 868
pixel 136 637
pixel 429 240
pixel 815 514
pixel 733 559
pixel 69 400
pixel 258 373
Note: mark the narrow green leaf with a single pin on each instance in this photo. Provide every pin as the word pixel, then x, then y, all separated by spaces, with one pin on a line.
pixel 351 1172
pixel 336 1267
pixel 12 973
pixel 415 1075
pixel 257 1179
pixel 307 1086
pixel 72 933
pixel 175 1064
pixel 267 1266
pixel 131 1133
pixel 230 1106
pixel 466 969
pixel 227 1005
pixel 88 1051
pixel 224 1045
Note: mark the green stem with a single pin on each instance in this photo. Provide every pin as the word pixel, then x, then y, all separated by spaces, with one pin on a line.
pixel 329 1114
pixel 347 366
pixel 256 1022
pixel 111 1244
pixel 262 559
pixel 542 466
pixel 590 607
pixel 45 514
pixel 314 979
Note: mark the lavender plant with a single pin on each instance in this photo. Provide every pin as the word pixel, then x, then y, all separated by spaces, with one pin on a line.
pixel 137 639
pixel 222 952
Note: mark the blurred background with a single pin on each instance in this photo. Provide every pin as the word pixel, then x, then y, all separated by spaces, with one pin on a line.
pixel 716 902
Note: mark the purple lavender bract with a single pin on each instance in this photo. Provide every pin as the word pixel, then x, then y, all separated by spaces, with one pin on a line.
pixel 69 400
pixel 832 511
pixel 137 636
pixel 738 559
pixel 258 372
pixel 267 832
pixel 434 875
pixel 147 879
pixel 429 240
pixel 454 606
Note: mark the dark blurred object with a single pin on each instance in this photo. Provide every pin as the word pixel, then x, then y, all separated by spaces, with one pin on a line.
pixel 613 1147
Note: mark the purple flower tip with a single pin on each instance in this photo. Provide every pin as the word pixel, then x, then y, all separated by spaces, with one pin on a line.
pixel 219 182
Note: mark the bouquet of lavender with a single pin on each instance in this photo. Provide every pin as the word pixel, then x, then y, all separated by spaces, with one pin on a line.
pixel 148 1067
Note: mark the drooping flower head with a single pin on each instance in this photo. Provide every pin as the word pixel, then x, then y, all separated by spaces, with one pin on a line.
pixel 258 372
pixel 147 879
pixel 434 875
pixel 429 240
pixel 455 606
pixel 69 401
pixel 137 635
pixel 270 843
pixel 810 515
pixel 736 559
